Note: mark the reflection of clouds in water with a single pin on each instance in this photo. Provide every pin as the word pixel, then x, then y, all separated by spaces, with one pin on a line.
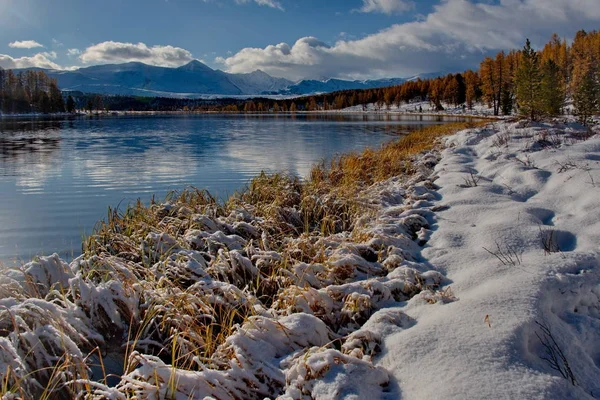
pixel 285 152
pixel 80 169
pixel 35 176
pixel 33 170
pixel 152 165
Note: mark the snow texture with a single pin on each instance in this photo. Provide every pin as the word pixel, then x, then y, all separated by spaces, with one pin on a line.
pixel 518 238
pixel 477 277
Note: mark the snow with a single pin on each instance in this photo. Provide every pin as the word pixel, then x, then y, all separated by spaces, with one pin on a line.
pixel 484 345
pixel 420 107
pixel 465 276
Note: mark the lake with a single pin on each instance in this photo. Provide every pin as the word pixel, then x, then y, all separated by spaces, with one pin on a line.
pixel 58 177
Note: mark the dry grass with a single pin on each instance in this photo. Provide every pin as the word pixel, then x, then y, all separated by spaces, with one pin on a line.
pixel 181 277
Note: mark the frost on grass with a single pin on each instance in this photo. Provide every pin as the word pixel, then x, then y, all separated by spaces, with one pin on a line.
pixel 271 294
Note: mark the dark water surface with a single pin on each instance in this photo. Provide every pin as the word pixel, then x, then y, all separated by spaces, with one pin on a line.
pixel 57 178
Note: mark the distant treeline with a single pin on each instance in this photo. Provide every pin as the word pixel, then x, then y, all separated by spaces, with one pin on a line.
pixel 31 92
pixel 534 83
pixel 95 103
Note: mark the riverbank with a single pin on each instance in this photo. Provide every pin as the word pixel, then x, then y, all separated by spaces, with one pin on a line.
pixel 367 280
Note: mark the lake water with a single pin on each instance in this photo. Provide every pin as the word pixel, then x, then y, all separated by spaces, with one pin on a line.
pixel 58 178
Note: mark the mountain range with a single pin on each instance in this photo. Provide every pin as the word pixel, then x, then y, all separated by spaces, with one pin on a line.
pixel 196 80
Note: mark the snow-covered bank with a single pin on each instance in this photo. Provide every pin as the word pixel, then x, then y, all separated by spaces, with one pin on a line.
pixel 421 107
pixel 267 296
pixel 519 238
pixel 292 291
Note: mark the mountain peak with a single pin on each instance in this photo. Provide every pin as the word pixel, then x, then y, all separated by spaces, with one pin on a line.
pixel 195 65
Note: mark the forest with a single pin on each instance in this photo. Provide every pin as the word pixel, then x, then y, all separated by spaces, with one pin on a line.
pixel 31 92
pixel 534 83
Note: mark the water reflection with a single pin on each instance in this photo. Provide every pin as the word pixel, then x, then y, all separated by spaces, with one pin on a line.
pixel 58 177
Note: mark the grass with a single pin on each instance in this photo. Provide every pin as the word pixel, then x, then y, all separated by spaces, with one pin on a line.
pixel 178 279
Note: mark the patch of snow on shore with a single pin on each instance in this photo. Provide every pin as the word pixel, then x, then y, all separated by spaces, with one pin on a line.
pixel 520 241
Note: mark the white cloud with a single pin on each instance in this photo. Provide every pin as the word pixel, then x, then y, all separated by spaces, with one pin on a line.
pixel 118 52
pixel 40 60
pixel 454 36
pixel 73 52
pixel 268 3
pixel 386 6
pixel 24 44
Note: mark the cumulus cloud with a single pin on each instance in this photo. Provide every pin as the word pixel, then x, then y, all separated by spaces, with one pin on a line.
pixel 386 6
pixel 24 44
pixel 73 52
pixel 268 3
pixel 454 36
pixel 118 52
pixel 40 60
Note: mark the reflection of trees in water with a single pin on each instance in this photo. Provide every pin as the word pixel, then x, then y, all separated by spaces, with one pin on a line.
pixel 17 147
pixel 32 125
pixel 28 142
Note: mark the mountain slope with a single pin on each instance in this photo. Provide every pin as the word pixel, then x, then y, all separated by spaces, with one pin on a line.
pixel 333 85
pixel 195 79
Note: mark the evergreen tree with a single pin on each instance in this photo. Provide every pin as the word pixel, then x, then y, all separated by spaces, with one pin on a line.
pixel 2 80
pixel 585 95
pixel 45 106
pixel 70 104
pixel 90 105
pixel 552 93
pixel 528 82
pixel 57 103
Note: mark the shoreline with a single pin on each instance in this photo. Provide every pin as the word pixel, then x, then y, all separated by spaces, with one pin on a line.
pixel 346 275
pixel 113 114
pixel 246 263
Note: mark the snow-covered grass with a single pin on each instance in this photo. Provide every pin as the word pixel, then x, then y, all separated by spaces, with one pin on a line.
pixel 411 272
pixel 264 295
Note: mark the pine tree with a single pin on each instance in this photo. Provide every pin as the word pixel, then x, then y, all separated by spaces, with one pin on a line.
pixel 57 104
pixel 528 81
pixel 585 95
pixel 2 86
pixel 90 105
pixel 552 94
pixel 70 104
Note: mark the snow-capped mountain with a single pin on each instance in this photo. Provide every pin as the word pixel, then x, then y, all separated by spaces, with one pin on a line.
pixel 259 82
pixel 310 86
pixel 194 80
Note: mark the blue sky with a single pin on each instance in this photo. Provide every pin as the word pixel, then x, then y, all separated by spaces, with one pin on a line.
pixel 291 38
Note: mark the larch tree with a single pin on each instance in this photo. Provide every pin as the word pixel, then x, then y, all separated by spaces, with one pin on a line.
pixel 490 83
pixel 472 84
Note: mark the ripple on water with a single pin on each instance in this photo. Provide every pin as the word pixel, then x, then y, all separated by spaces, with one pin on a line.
pixel 57 179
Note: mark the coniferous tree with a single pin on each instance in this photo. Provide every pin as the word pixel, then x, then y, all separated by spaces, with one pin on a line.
pixel 585 95
pixel 528 82
pixel 57 103
pixel 70 106
pixel 490 83
pixel 552 94
pixel 89 105
pixel 472 84
pixel 2 79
